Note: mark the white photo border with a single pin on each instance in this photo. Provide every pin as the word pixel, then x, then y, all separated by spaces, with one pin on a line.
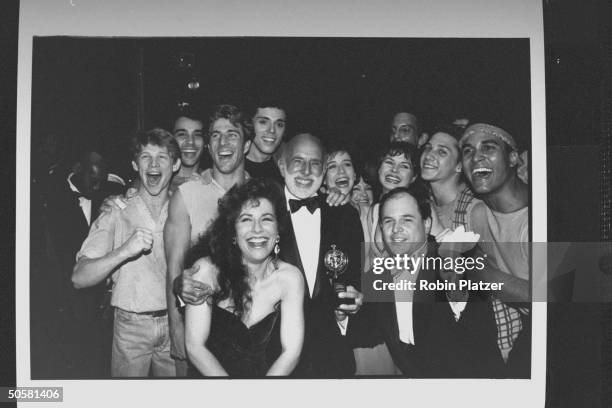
pixel 417 18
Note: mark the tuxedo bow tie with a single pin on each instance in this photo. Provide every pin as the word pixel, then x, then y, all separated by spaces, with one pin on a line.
pixel 312 203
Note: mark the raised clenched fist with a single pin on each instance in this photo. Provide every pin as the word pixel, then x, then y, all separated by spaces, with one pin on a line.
pixel 140 241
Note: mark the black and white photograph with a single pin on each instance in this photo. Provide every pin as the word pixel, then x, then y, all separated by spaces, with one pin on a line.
pixel 352 204
pixel 332 124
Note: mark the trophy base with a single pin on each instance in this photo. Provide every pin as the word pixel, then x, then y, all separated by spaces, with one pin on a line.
pixel 339 288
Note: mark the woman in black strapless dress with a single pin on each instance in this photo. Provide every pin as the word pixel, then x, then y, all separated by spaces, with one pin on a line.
pixel 229 333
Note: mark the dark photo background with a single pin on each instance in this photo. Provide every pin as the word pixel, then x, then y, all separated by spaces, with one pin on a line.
pixel 99 90
pixel 578 40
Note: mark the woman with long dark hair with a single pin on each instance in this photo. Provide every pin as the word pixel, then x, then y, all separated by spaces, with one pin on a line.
pixel 451 198
pixel 228 334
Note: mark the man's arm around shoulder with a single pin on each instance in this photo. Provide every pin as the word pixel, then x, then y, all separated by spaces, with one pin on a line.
pixel 177 235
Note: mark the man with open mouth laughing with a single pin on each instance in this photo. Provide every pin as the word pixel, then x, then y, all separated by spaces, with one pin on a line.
pixel 490 161
pixel 190 138
pixel 340 172
pixel 194 205
pixel 128 245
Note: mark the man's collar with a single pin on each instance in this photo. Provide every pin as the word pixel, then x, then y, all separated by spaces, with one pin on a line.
pixel 71 184
pixel 290 196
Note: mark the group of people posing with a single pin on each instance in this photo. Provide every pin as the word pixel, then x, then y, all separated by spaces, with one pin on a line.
pixel 228 271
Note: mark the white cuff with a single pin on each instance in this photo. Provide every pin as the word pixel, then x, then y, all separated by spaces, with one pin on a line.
pixel 342 325
pixel 181 302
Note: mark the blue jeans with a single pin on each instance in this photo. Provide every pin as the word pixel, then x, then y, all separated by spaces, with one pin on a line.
pixel 141 344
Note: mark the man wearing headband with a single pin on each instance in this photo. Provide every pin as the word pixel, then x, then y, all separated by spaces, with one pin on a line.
pixel 490 163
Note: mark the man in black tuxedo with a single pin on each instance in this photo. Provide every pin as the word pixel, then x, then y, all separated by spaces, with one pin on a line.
pixel 429 333
pixel 70 208
pixel 311 229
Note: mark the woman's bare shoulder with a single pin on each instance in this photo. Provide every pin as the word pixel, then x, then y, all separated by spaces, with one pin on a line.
pixel 289 276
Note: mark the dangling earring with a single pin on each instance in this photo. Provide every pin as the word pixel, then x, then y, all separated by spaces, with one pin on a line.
pixel 276 251
pixel 234 240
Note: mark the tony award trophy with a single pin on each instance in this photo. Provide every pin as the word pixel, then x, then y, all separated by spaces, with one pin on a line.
pixel 336 262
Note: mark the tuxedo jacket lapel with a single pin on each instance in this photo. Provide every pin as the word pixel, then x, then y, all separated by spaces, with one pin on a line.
pixel 389 313
pixel 75 213
pixel 289 251
pixel 421 310
pixel 323 247
pixel 390 319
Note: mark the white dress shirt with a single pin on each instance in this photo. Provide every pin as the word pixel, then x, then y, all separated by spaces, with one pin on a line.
pixel 85 203
pixel 307 229
pixel 403 307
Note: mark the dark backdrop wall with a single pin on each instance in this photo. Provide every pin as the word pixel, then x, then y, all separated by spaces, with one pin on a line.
pixel 578 348
pixel 343 89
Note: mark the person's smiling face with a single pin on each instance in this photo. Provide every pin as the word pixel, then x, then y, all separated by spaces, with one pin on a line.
pixel 403 228
pixel 256 230
pixel 395 171
pixel 440 159
pixel 487 161
pixel 155 166
pixel 227 146
pixel 362 194
pixel 302 166
pixel 190 138
pixel 340 172
pixel 269 127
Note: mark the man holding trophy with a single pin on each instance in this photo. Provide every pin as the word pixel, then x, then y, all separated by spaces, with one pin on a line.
pixel 324 243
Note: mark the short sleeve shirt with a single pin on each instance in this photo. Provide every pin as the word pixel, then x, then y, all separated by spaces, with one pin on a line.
pixel 505 237
pixel 139 285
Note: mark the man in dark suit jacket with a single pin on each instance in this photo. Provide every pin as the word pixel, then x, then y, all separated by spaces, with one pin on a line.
pixel 71 206
pixel 429 333
pixel 312 228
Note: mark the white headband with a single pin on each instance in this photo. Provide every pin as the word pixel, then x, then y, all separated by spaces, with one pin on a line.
pixel 489 130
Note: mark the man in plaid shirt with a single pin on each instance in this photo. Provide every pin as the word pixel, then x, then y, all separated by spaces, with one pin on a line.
pixel 490 163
